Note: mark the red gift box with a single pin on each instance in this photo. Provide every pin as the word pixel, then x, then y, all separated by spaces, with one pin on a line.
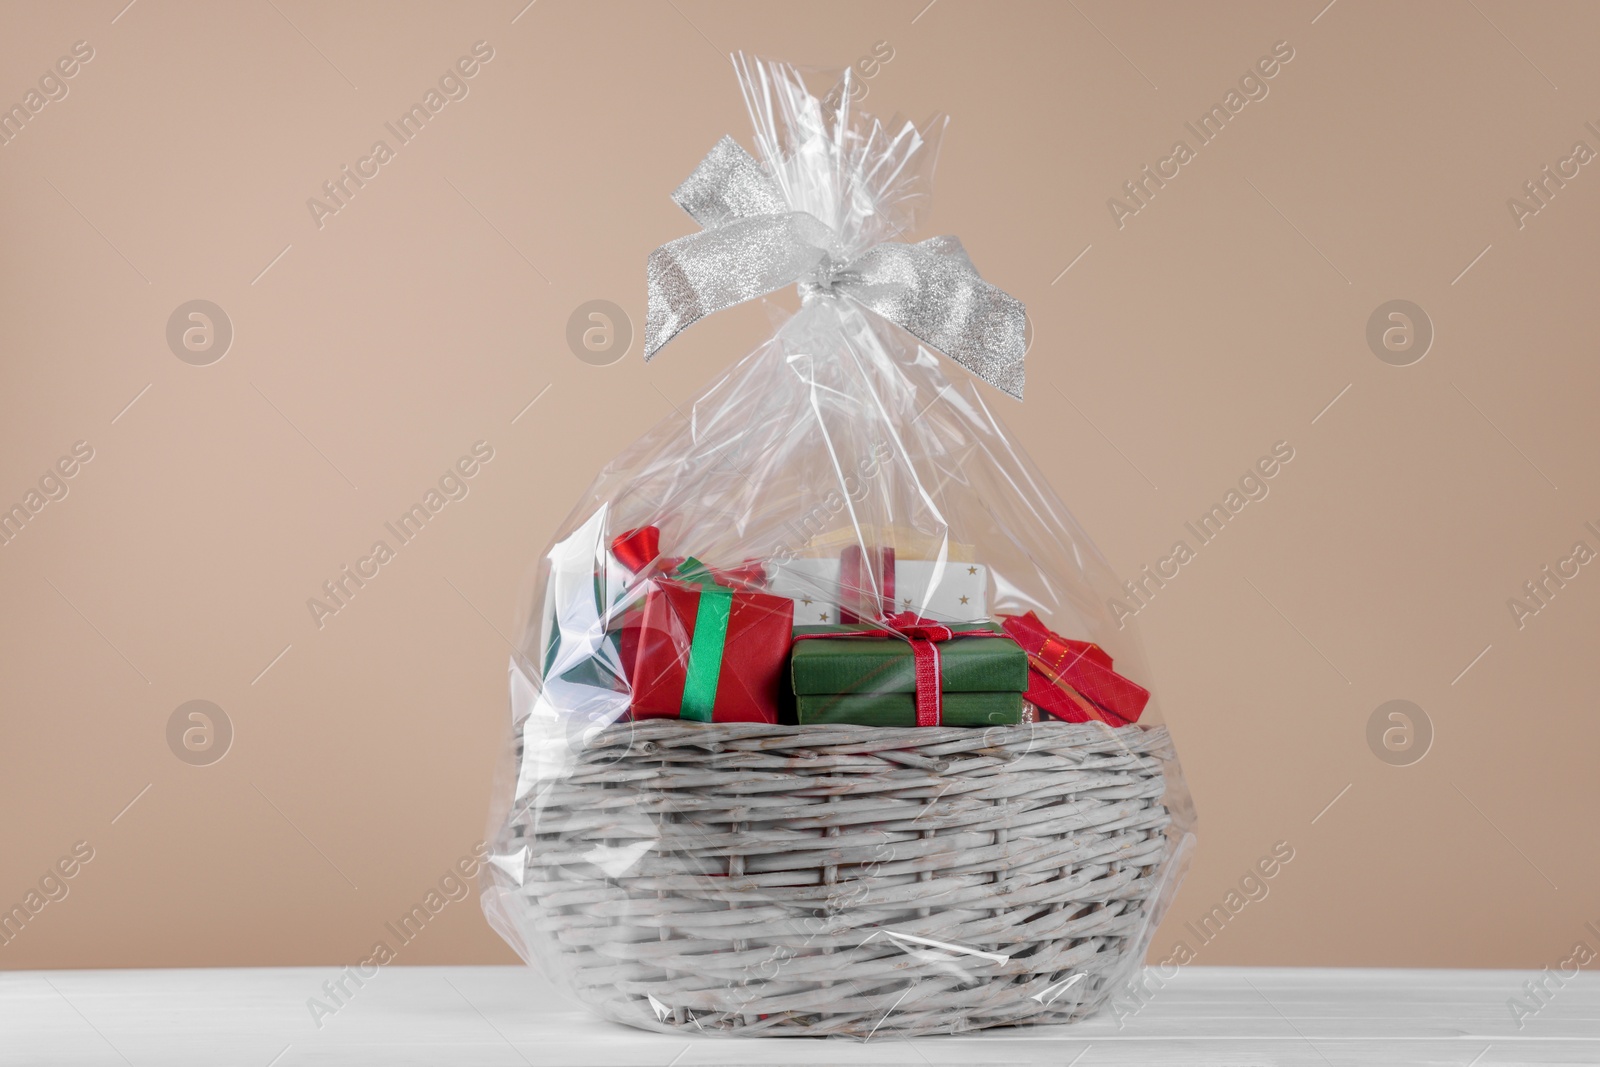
pixel 710 653
pixel 1073 680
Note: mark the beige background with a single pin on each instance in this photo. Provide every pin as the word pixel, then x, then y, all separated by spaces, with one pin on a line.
pixel 427 314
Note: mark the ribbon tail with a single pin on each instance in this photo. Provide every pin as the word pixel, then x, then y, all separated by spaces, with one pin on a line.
pixel 727 186
pixel 705 272
pixel 929 695
pixel 932 291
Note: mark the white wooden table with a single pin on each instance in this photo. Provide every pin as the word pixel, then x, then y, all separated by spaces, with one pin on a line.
pixel 494 1016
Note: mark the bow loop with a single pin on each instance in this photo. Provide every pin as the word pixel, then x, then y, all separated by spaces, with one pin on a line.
pixel 705 272
pixel 910 625
pixel 752 243
pixel 727 186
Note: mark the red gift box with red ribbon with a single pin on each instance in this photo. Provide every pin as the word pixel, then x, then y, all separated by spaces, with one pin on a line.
pixel 1074 680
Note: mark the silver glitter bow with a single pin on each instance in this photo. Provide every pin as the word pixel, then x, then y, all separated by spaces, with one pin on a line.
pixel 751 243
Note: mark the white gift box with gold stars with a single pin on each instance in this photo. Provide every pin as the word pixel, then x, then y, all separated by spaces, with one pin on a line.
pixel 948 591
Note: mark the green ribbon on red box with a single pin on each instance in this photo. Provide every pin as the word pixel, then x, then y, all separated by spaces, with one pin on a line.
pixel 709 649
pixel 709 640
pixel 637 549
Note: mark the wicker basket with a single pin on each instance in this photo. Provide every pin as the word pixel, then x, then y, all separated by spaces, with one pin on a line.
pixel 848 880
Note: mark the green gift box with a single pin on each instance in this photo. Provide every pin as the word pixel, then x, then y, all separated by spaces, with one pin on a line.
pixel 869 678
pixel 885 664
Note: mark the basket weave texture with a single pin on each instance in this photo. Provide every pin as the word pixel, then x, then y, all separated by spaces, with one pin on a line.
pixel 847 880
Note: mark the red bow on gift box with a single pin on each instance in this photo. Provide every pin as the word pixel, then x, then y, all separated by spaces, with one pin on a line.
pixel 924 635
pixel 637 549
pixel 1073 680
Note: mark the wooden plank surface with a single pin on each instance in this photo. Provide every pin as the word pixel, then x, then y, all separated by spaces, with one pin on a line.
pixel 494 1016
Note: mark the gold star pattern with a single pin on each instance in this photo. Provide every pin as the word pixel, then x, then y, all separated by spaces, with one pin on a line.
pixel 963 600
pixel 823 616
pixel 806 602
pixel 972 570
pixel 907 603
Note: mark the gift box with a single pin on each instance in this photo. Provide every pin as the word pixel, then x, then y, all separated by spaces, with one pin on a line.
pixel 1074 680
pixel 876 583
pixel 710 653
pixel 911 672
pixel 900 709
pixel 827 659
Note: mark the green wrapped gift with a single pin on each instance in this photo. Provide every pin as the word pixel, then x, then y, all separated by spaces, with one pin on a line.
pixel 909 671
pixel 900 709
pixel 868 665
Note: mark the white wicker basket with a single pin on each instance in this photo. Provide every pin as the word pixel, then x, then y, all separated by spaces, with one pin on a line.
pixel 847 880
